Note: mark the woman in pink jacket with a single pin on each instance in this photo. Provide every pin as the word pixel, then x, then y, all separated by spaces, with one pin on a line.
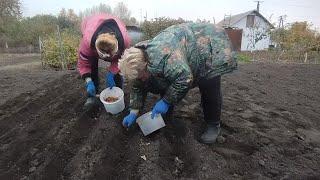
pixel 103 37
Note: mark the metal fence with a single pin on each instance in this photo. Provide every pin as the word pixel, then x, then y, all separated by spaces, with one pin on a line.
pixel 20 50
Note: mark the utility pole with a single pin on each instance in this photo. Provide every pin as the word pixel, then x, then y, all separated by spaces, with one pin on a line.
pixel 155 14
pixel 146 17
pixel 281 21
pixel 141 17
pixel 281 27
pixel 258 5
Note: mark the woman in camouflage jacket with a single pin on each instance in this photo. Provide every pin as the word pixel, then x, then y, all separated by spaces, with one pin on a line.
pixel 180 58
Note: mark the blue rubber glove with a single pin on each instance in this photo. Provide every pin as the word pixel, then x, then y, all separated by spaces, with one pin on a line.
pixel 110 80
pixel 91 89
pixel 160 107
pixel 129 120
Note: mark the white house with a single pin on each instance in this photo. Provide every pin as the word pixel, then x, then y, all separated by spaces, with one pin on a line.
pixel 250 30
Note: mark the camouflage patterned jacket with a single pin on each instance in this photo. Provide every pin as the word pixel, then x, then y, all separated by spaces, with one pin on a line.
pixel 179 57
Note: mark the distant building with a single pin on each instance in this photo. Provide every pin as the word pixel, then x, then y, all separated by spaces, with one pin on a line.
pixel 249 31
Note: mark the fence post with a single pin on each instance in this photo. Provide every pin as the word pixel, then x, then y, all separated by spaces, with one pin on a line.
pixel 61 49
pixel 40 50
pixel 7 48
pixel 306 57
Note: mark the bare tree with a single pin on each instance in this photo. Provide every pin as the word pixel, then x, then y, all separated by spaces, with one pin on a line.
pixel 122 12
pixel 101 8
pixel 10 8
pixel 68 19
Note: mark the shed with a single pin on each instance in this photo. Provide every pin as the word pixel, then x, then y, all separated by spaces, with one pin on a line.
pixel 250 30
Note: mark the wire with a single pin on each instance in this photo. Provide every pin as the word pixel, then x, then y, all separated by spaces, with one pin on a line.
pixel 300 6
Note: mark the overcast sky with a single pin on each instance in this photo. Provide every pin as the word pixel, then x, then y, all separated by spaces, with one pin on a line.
pixel 296 10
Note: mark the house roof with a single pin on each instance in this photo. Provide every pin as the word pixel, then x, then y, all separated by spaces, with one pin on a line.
pixel 236 18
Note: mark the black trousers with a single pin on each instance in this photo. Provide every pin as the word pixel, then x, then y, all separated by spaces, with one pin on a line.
pixel 211 99
pixel 95 75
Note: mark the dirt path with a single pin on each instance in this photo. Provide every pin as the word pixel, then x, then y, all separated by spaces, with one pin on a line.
pixel 271 130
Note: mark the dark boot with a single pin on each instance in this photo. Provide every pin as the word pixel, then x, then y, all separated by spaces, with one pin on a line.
pixel 210 134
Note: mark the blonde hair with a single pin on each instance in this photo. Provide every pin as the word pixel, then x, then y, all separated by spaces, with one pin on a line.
pixel 132 63
pixel 106 42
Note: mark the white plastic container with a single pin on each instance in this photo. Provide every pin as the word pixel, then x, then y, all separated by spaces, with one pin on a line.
pixel 113 107
pixel 148 125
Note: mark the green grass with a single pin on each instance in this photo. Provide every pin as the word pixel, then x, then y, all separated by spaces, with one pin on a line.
pixel 243 58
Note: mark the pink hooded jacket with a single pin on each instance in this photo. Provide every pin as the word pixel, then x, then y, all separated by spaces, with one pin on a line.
pixel 86 53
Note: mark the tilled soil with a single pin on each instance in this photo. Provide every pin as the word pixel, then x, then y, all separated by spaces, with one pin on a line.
pixel 22 73
pixel 17 59
pixel 270 130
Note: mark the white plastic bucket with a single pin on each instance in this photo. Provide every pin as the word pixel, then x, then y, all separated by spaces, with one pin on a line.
pixel 148 125
pixel 113 107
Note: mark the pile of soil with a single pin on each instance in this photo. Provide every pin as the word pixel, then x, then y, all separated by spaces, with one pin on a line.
pixel 270 130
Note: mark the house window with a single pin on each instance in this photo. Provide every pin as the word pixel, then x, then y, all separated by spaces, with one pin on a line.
pixel 250 20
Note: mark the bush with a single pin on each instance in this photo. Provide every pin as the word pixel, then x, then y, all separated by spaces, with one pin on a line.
pixel 56 57
pixel 151 28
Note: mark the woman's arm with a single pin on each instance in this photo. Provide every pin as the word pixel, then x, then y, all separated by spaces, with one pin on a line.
pixel 84 60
